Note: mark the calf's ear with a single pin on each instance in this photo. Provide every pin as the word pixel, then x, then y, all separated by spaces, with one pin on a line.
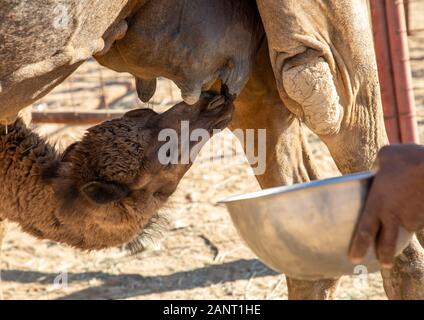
pixel 104 192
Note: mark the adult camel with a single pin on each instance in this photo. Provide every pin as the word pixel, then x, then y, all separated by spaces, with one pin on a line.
pixel 316 65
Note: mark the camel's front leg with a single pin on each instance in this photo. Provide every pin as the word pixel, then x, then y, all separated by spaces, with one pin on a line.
pixel 406 279
pixel 288 159
pixel 324 63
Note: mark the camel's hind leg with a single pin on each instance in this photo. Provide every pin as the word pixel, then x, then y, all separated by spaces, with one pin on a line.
pixel 354 148
pixel 406 279
pixel 332 85
pixel 288 159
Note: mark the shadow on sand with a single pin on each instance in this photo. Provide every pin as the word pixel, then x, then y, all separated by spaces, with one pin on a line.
pixel 131 285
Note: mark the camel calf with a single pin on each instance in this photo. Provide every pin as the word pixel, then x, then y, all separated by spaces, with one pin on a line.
pixel 104 190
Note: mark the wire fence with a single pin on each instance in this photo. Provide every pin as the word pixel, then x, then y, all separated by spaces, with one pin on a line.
pixel 94 94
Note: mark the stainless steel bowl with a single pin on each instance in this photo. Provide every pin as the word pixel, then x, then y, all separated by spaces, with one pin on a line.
pixel 304 230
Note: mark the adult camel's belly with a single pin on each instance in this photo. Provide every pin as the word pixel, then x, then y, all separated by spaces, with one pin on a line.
pixel 42 42
pixel 193 43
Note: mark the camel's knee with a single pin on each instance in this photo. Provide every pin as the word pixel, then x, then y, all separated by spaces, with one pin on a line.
pixel 309 84
pixel 349 120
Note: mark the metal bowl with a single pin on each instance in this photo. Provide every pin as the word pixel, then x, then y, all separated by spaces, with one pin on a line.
pixel 304 230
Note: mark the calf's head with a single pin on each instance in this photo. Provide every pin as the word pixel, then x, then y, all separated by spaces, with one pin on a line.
pixel 123 170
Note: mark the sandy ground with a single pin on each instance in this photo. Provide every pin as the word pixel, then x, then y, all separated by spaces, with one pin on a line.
pixel 201 256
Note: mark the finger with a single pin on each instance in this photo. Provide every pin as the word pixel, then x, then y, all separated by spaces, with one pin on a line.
pixel 386 244
pixel 363 238
pixel 366 229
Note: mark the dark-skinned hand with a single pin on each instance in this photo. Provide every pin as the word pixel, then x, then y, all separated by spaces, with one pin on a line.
pixel 396 198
